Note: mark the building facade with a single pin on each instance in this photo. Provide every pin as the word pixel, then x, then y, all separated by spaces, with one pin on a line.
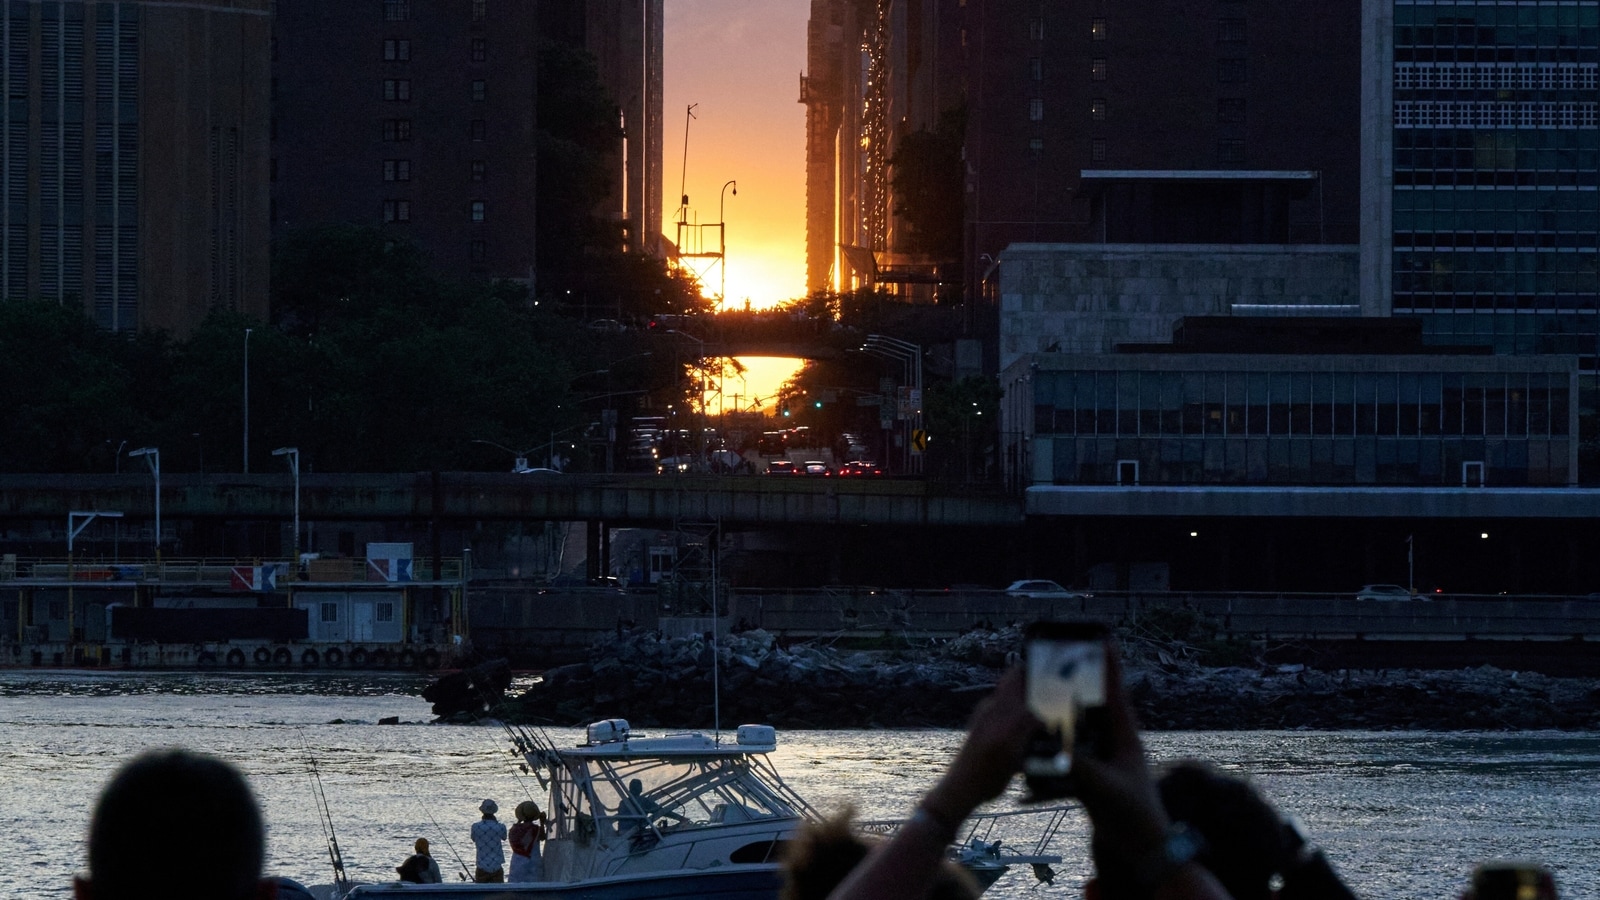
pixel 1483 171
pixel 135 158
pixel 420 116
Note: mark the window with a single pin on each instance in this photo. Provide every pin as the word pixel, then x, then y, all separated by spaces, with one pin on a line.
pixel 1097 69
pixel 478 90
pixel 1097 150
pixel 1036 110
pixel 1036 30
pixel 396 130
pixel 480 8
pixel 1036 69
pixel 477 210
pixel 1097 109
pixel 478 170
pixel 480 250
pixel 397 89
pixel 1230 30
pixel 397 210
pixel 479 128
pixel 396 50
pixel 330 612
pixel 396 10
pixel 480 49
pixel 1230 152
pixel 1230 71
pixel 1097 29
pixel 384 612
pixel 1036 145
pixel 1230 110
pixel 397 170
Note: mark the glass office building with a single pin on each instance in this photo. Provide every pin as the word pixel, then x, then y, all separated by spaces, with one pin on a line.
pixel 1186 419
pixel 1496 163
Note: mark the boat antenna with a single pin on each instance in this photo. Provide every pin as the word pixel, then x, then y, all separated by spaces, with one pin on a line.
pixel 341 881
pixel 716 692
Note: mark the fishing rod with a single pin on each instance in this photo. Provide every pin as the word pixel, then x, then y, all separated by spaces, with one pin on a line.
pixel 341 881
pixel 466 874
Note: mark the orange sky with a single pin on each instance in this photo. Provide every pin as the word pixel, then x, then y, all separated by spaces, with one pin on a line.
pixel 740 62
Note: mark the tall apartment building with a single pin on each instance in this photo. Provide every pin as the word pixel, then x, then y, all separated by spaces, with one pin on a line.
pixel 420 116
pixel 135 158
pixel 1481 172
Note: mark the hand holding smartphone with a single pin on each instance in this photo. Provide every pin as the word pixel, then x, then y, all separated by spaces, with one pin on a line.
pixel 1066 691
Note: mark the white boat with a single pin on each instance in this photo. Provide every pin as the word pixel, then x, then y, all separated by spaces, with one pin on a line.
pixel 685 815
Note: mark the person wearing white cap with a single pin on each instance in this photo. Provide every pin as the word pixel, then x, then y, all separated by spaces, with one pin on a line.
pixel 489 835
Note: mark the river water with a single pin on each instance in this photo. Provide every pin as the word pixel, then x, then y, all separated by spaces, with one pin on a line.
pixel 1402 815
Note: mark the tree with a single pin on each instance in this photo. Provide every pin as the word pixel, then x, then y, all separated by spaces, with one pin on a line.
pixel 961 419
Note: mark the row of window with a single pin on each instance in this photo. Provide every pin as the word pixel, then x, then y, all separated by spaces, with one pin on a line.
pixel 395 210
pixel 1511 14
pixel 399 50
pixel 399 130
pixel 400 10
pixel 399 89
pixel 1495 114
pixel 1518 178
pixel 1490 157
pixel 1304 404
pixel 1497 76
pixel 1424 234
pixel 1440 461
pixel 400 169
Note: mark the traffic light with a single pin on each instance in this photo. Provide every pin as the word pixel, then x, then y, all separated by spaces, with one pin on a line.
pixel 817 403
pixel 783 411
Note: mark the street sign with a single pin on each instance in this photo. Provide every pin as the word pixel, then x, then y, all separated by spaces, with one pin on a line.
pixel 919 440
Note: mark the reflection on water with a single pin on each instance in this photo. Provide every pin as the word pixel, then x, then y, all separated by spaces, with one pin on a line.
pixel 1402 815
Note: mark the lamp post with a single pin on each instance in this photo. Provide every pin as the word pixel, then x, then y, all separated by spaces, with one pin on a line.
pixel 73 530
pixel 722 237
pixel 910 356
pixel 702 368
pixel 247 400
pixel 520 456
pixel 293 454
pixel 152 458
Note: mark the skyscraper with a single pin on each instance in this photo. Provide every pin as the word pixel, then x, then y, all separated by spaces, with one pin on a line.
pixel 1482 172
pixel 135 163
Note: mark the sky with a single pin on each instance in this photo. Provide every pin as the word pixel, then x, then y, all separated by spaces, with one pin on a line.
pixel 739 62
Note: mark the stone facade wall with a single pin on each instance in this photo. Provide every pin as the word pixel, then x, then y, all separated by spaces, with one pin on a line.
pixel 1088 298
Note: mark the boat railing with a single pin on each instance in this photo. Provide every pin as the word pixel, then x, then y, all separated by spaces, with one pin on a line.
pixel 980 826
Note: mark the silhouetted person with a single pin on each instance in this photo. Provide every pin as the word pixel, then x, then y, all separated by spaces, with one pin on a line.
pixel 419 867
pixel 179 825
pixel 488 834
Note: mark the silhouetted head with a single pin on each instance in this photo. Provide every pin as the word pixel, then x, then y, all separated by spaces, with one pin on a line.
pixel 635 787
pixel 173 800
pixel 821 854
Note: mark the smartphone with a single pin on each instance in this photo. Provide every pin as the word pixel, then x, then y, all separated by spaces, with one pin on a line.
pixel 1066 691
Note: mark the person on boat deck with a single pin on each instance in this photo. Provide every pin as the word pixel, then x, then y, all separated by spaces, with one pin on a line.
pixel 419 867
pixel 174 798
pixel 526 862
pixel 488 834
pixel 638 811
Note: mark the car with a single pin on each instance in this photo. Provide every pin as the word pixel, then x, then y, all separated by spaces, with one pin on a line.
pixel 1039 589
pixel 782 467
pixel 1383 592
pixel 815 467
pixel 859 467
pixel 606 326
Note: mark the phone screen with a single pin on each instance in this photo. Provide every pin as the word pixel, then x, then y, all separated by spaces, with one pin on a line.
pixel 1066 680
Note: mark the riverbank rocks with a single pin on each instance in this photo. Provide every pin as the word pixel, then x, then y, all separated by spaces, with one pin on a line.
pixel 658 682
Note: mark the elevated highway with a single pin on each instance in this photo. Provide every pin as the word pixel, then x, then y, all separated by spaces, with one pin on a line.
pixel 474 496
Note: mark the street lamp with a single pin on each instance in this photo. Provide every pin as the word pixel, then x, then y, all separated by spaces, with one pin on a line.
pixel 703 388
pixel 520 456
pixel 722 237
pixel 247 400
pixel 152 458
pixel 293 453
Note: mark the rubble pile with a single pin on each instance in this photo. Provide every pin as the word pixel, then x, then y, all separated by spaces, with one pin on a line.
pixel 656 682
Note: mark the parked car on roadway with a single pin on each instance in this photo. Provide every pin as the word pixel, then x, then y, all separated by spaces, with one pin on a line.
pixel 1383 592
pixel 1039 589
pixel 816 467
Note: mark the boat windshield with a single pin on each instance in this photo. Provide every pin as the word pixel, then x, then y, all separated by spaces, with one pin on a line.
pixel 629 795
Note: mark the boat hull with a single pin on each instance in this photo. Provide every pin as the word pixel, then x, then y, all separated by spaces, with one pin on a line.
pixel 743 882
